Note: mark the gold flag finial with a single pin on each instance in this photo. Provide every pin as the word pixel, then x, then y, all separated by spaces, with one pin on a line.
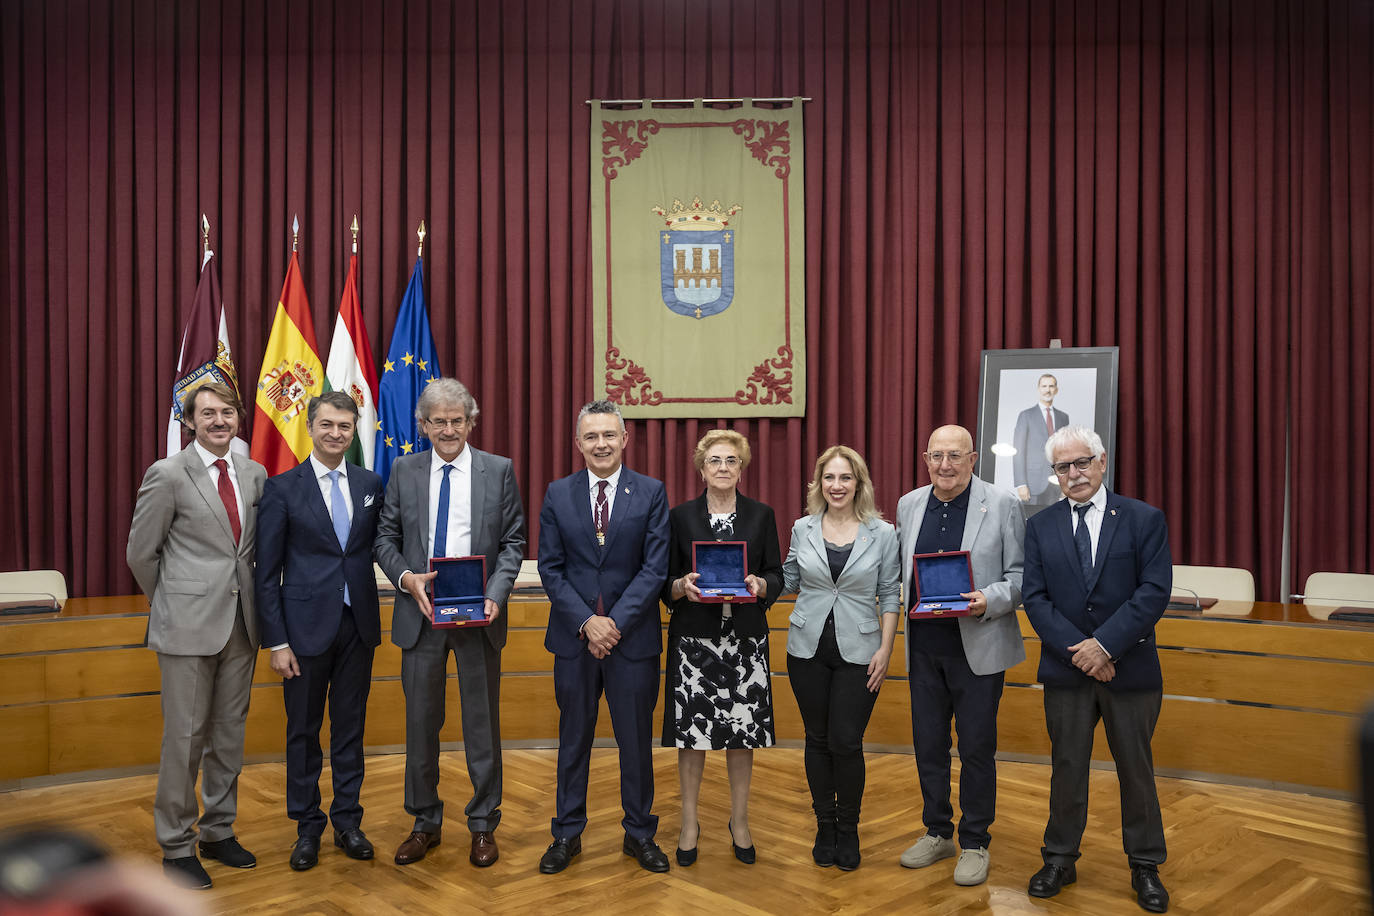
pixel 354 227
pixel 204 234
pixel 295 231
pixel 420 249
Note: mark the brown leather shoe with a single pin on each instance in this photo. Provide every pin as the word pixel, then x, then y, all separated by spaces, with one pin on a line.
pixel 415 847
pixel 484 851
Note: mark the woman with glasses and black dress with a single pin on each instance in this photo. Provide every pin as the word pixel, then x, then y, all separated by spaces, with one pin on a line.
pixel 717 694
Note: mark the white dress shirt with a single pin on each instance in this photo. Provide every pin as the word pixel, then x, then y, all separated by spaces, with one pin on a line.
pixel 459 540
pixel 210 458
pixel 1093 519
pixel 612 482
pixel 326 485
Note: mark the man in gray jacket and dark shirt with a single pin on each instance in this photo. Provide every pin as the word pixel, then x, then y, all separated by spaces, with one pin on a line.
pixel 956 665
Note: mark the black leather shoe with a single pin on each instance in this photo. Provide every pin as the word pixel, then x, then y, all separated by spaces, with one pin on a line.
pixel 1049 880
pixel 559 854
pixel 1149 890
pixel 646 851
pixel 305 854
pixel 354 843
pixel 188 872
pixel 229 852
pixel 746 856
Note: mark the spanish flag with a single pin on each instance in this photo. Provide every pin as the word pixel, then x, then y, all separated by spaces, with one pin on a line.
pixel 291 376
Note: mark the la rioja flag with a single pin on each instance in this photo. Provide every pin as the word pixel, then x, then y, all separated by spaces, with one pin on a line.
pixel 205 354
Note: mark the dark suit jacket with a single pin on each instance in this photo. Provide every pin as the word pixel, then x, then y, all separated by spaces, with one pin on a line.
pixel 1132 576
pixel 498 533
pixel 1028 466
pixel 302 569
pixel 754 523
pixel 627 573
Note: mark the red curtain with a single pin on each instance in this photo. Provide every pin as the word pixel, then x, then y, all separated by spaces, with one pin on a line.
pixel 1189 181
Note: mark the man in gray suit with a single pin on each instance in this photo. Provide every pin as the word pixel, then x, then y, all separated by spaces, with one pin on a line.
pixel 191 550
pixel 1030 471
pixel 956 665
pixel 452 501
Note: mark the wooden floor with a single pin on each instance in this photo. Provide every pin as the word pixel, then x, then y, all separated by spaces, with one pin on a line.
pixel 1231 850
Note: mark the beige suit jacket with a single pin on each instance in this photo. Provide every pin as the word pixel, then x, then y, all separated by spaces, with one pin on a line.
pixel 182 552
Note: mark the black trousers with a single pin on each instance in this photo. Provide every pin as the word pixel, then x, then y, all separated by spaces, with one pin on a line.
pixel 943 688
pixel 1128 717
pixel 342 677
pixel 835 703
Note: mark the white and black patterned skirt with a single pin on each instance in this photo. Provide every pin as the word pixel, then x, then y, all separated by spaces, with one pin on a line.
pixel 718 693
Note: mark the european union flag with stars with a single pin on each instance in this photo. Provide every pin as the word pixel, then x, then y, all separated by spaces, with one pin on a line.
pixel 410 365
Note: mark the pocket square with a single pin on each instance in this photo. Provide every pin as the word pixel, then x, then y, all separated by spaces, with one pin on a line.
pixel 367 500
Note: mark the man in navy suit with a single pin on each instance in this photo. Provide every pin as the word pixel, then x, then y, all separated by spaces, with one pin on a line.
pixel 317 612
pixel 1034 425
pixel 1097 578
pixel 603 557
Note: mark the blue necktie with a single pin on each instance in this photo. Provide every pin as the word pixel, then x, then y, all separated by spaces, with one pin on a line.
pixel 441 517
pixel 338 507
pixel 1084 542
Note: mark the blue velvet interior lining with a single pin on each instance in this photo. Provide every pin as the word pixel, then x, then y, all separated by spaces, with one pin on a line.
pixel 459 580
pixel 943 578
pixel 720 564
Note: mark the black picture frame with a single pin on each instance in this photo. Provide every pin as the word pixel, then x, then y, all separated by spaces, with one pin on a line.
pixel 1008 386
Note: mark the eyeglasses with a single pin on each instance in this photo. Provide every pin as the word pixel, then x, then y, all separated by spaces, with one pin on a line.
pixel 716 461
pixel 1062 468
pixel 940 457
pixel 457 423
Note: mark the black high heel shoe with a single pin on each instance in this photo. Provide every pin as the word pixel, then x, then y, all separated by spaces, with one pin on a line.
pixel 687 857
pixel 746 856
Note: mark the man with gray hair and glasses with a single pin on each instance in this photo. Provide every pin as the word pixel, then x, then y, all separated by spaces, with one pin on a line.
pixel 1097 578
pixel 451 501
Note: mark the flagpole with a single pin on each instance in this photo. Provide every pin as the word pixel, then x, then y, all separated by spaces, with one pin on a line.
pixel 354 227
pixel 420 249
pixel 295 232
pixel 204 236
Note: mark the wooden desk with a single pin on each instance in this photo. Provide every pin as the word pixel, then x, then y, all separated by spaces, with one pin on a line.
pixel 1253 692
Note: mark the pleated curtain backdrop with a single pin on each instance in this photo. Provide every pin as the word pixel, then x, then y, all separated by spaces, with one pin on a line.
pixel 1190 181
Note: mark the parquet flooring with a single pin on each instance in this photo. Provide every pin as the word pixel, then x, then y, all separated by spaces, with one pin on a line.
pixel 1231 850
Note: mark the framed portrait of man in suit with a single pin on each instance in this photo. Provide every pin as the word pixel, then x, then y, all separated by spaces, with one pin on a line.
pixel 1024 396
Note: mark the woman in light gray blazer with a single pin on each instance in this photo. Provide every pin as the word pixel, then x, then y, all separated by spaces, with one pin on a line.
pixel 844 568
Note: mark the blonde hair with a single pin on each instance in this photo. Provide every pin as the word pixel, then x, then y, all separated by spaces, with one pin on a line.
pixel 865 504
pixel 721 437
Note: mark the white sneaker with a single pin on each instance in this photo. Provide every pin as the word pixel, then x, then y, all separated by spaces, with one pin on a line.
pixel 928 850
pixel 972 868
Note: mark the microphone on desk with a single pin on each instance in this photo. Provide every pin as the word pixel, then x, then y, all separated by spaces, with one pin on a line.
pixel 1183 605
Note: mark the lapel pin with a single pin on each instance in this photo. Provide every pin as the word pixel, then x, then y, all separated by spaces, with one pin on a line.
pixel 1113 512
pixel 627 491
pixel 983 509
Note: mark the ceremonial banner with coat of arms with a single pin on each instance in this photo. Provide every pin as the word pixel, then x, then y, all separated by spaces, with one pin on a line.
pixel 698 271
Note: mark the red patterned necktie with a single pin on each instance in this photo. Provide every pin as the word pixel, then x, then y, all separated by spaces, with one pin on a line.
pixel 1049 422
pixel 226 496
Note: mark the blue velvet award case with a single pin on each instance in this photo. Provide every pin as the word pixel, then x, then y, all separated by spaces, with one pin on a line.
pixel 939 579
pixel 721 568
pixel 458 592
